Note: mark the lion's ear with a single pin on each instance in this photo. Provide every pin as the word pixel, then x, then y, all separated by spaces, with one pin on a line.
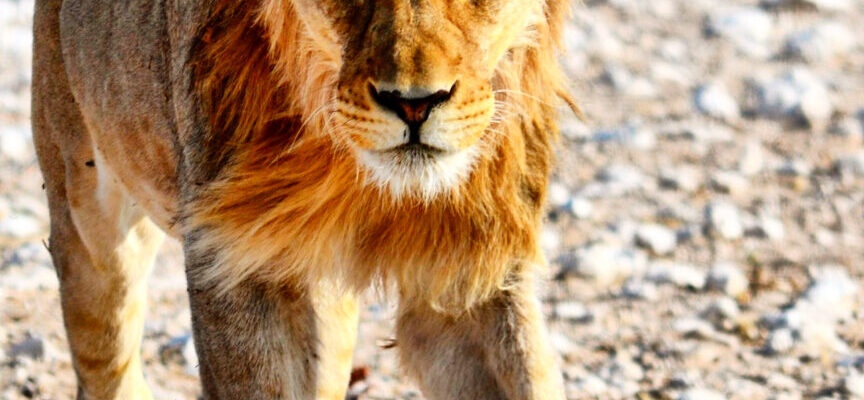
pixel 564 95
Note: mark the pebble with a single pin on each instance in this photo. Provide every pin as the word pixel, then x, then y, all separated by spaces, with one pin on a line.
pixel 16 144
pixel 851 164
pixel 821 43
pixel 701 394
pixel 20 226
pixel 630 135
pixel 573 311
pixel 182 349
pixel 851 128
pixel 657 238
pixel 604 263
pixel 780 341
pixel 854 385
pixel 640 289
pixel 684 178
pixel 795 167
pixel 724 220
pixel 32 347
pixel 678 274
pixel 797 94
pixel 730 182
pixel 580 207
pixel 722 312
pixel 715 100
pixel 749 29
pixel 824 5
pixel 558 195
pixel 752 160
pixel 771 228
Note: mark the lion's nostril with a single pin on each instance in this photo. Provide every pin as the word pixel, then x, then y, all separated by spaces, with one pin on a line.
pixel 414 111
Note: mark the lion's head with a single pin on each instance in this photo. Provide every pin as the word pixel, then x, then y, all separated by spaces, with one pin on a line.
pixel 412 88
pixel 400 132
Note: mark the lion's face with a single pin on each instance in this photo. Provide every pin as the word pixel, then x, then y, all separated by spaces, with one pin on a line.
pixel 415 95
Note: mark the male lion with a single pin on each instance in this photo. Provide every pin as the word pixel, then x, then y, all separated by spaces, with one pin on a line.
pixel 302 150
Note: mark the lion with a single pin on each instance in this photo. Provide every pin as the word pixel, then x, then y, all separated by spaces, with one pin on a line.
pixel 303 151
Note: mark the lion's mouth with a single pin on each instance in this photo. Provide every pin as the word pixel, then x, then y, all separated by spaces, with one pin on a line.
pixel 414 151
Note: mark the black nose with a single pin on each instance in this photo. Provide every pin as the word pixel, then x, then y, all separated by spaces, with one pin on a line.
pixel 413 110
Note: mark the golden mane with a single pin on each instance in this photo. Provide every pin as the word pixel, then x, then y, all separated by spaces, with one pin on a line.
pixel 289 195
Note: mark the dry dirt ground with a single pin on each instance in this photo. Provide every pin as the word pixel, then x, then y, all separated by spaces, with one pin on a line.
pixel 705 226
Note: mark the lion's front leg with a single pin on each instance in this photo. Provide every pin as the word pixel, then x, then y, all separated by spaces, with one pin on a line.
pixel 262 342
pixel 497 351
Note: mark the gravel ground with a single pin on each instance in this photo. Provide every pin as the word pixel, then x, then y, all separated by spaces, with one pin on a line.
pixel 706 223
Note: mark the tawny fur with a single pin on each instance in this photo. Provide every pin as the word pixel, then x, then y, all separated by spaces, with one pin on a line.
pixel 292 177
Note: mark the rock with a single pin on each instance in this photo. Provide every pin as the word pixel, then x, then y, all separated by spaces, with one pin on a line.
pixel 852 164
pixel 630 135
pixel 730 182
pixel 851 128
pixel 604 263
pixel 573 311
pixel 722 312
pixel 639 289
pixel 820 43
pixel 181 349
pixel 16 144
pixel 771 228
pixel 592 385
pixel 749 29
pixel 622 178
pixel 824 5
pixel 832 293
pixel 780 341
pixel 724 220
pixel 701 394
pixel 657 238
pixel 678 274
pixel 580 207
pixel 853 384
pixel 561 343
pixel 558 195
pixel 20 226
pixel 752 160
pixel 622 373
pixel 684 178
pixel 32 347
pixel 550 241
pixel 795 167
pixel 714 100
pixel 627 84
pixel 798 94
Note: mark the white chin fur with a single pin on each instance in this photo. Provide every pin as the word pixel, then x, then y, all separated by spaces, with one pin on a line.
pixel 422 177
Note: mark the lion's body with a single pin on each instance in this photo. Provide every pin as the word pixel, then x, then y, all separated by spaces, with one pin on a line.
pixel 214 123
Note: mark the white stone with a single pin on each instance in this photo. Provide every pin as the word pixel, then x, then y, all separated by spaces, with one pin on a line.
pixel 728 278
pixel 629 135
pixel 795 167
pixel 657 238
pixel 622 177
pixel 724 220
pixel 684 178
pixel 771 228
pixel 580 207
pixel 20 226
pixel 730 182
pixel 701 394
pixel 592 385
pixel 638 289
pixel 573 311
pixel 752 160
pixel 780 341
pixel 851 163
pixel 558 195
pixel 605 263
pixel 821 43
pixel 796 94
pixel 550 241
pixel 854 384
pixel 678 274
pixel 16 144
pixel 749 29
pixel 715 100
